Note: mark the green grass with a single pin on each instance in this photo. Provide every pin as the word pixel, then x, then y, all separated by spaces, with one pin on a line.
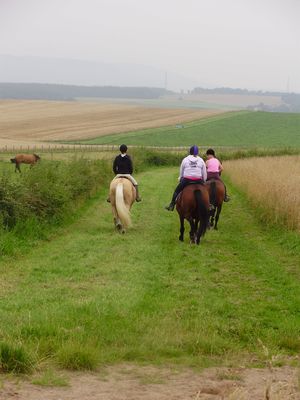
pixel 240 129
pixel 50 378
pixel 91 296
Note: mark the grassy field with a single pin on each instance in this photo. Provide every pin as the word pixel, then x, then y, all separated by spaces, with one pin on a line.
pixel 237 129
pixel 90 296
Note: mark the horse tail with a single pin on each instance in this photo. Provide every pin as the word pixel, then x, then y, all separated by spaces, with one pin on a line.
pixel 13 160
pixel 123 211
pixel 213 193
pixel 202 211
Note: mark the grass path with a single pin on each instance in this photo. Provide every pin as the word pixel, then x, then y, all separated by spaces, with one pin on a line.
pixel 91 295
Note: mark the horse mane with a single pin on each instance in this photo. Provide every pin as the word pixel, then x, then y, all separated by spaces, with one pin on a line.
pixel 36 156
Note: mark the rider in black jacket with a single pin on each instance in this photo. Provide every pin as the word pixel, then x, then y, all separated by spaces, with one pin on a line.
pixel 122 166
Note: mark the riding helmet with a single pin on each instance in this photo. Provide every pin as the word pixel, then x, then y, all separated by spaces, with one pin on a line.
pixel 194 150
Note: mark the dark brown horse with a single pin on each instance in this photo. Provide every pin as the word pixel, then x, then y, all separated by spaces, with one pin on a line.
pixel 216 195
pixel 25 159
pixel 193 205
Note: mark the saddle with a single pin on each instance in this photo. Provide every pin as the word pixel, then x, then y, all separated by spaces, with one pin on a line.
pixel 123 176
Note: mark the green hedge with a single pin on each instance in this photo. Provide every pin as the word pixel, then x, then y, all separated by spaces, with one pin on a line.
pixel 47 191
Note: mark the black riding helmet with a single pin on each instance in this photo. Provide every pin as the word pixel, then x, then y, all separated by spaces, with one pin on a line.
pixel 123 148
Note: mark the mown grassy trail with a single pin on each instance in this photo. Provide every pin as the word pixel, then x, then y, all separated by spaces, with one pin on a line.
pixel 92 296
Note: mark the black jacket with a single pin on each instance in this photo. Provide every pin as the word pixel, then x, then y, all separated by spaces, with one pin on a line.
pixel 123 165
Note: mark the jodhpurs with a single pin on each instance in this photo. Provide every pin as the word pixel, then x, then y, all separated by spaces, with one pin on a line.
pixel 128 176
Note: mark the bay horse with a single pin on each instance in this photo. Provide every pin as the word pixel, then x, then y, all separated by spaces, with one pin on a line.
pixel 216 195
pixel 193 205
pixel 122 195
pixel 25 159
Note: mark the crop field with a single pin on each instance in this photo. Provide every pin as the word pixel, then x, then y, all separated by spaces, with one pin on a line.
pixel 273 185
pixel 31 122
pixel 239 129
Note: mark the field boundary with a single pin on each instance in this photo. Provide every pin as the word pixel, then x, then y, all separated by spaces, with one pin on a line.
pixel 98 147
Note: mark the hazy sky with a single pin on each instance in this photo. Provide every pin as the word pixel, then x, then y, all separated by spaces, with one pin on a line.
pixel 253 44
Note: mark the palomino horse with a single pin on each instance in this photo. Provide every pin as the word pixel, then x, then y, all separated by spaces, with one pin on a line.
pixel 193 205
pixel 25 159
pixel 217 195
pixel 122 195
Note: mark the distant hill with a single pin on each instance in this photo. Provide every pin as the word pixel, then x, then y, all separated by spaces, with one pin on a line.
pixel 29 69
pixel 39 91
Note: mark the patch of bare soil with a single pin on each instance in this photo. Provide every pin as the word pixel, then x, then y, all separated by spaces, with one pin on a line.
pixel 127 382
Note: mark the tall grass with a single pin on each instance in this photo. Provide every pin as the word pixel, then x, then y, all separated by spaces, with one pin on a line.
pixel 273 185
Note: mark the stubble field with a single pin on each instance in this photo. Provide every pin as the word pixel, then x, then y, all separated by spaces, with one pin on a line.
pixel 29 122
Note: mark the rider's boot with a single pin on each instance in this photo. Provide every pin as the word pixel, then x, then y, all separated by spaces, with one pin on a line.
pixel 137 193
pixel 226 198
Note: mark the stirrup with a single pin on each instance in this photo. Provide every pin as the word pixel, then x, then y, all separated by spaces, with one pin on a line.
pixel 227 198
pixel 108 199
pixel 138 199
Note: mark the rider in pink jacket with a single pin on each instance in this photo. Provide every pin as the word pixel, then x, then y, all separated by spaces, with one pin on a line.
pixel 214 169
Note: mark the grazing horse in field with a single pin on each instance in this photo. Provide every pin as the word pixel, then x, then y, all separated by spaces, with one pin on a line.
pixel 193 205
pixel 25 159
pixel 216 195
pixel 122 195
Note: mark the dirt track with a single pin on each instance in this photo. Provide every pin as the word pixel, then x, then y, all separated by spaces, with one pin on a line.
pixel 150 383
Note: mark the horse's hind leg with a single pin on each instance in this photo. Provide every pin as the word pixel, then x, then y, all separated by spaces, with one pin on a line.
pixel 217 216
pixel 181 229
pixel 192 231
pixel 212 217
pixel 117 221
pixel 200 231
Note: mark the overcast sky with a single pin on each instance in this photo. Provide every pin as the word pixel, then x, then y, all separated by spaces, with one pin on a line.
pixel 252 44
